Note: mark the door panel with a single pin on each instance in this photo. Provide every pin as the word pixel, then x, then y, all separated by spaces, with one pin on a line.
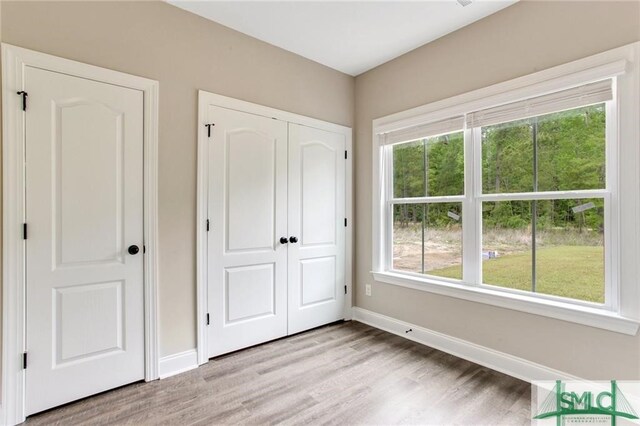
pixel 315 274
pixel 318 172
pixel 248 214
pixel 250 195
pixel 100 332
pixel 84 161
pixel 88 168
pixel 316 215
pixel 250 291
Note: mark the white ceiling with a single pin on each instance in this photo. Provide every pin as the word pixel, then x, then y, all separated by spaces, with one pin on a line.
pixel 349 36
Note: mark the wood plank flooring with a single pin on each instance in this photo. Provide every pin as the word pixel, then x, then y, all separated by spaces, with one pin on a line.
pixel 347 373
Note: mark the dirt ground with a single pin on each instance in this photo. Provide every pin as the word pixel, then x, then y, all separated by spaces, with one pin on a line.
pixel 443 247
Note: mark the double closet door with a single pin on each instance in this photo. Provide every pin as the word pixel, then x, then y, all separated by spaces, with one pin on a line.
pixel 276 240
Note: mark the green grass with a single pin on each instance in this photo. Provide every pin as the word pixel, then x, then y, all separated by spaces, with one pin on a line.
pixel 576 272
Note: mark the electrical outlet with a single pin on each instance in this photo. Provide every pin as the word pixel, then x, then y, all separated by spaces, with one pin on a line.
pixel 367 289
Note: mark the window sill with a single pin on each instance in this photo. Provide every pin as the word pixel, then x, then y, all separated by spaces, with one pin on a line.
pixel 592 317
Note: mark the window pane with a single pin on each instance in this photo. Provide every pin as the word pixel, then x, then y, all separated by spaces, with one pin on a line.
pixel 407 237
pixel 443 159
pixel 568 252
pixel 507 158
pixel 506 244
pixel 570 249
pixel 408 170
pixel 571 149
pixel 562 151
pixel 443 243
pixel 427 239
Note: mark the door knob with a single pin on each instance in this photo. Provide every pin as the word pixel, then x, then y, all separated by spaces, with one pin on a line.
pixel 133 249
pixel 293 240
pixel 283 240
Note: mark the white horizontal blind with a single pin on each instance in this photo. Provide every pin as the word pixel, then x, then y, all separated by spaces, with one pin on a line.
pixel 424 131
pixel 576 97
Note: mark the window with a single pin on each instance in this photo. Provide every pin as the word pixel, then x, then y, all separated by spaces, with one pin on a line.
pixel 546 240
pixel 541 190
pixel 510 196
pixel 428 175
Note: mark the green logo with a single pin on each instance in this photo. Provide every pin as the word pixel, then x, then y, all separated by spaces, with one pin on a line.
pixel 560 402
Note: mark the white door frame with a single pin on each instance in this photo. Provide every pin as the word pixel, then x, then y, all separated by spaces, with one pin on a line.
pixel 205 99
pixel 14 61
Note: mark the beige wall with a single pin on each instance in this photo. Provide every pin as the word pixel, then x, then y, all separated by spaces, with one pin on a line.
pixel 184 53
pixel 516 41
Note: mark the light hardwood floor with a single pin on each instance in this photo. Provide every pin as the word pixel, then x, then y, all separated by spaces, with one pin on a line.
pixel 347 373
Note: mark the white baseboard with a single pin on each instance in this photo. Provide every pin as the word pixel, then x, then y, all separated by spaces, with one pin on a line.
pixel 508 364
pixel 178 363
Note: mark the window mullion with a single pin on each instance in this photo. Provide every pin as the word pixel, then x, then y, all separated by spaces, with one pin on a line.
pixel 428 200
pixel 471 225
pixel 388 193
pixel 544 195
pixel 534 203
pixel 611 210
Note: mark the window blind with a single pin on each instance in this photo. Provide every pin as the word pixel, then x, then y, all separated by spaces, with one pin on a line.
pixel 576 97
pixel 424 131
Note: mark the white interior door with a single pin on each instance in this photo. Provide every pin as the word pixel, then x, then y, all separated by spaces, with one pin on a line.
pixel 84 204
pixel 317 220
pixel 247 266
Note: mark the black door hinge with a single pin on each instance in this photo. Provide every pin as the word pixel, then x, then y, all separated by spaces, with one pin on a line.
pixel 24 361
pixel 24 231
pixel 144 249
pixel 207 225
pixel 207 319
pixel 24 99
pixel 208 126
pixel 345 221
pixel 345 289
pixel 345 154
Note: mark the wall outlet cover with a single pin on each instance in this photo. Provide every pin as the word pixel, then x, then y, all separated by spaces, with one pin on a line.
pixel 367 289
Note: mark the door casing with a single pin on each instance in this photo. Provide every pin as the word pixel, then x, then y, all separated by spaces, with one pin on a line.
pixel 204 100
pixel 14 61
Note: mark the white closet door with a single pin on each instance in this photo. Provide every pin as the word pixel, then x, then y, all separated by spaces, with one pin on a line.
pixel 316 219
pixel 248 216
pixel 84 204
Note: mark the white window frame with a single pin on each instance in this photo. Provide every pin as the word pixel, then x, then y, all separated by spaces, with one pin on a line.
pixel 621 311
